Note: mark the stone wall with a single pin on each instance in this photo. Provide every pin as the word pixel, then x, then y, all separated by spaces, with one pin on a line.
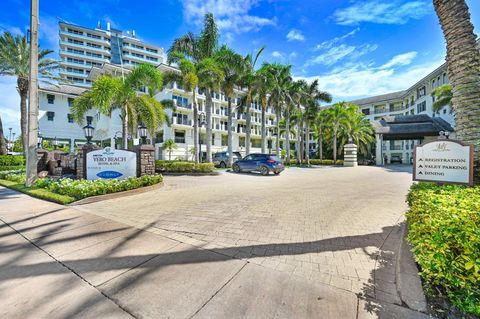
pixel 145 160
pixel 81 159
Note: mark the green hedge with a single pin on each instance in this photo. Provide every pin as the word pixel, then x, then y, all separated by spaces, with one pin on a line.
pixel 444 230
pixel 85 188
pixel 178 166
pixel 12 168
pixel 10 160
pixel 316 161
pixel 17 176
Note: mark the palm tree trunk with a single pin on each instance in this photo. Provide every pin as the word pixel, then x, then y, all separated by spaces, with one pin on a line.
pixel 320 143
pixel 463 60
pixel 302 141
pixel 208 113
pixel 230 134
pixel 3 144
pixel 299 141
pixel 335 146
pixel 22 84
pixel 195 127
pixel 124 129
pixel 248 130
pixel 287 134
pixel 264 132
pixel 277 124
pixel 307 142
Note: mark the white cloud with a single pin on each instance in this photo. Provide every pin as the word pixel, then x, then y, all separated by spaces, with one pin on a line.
pixel 277 54
pixel 295 35
pixel 330 43
pixel 284 57
pixel 9 104
pixel 340 52
pixel 12 29
pixel 401 59
pixel 229 14
pixel 358 80
pixel 48 32
pixel 383 12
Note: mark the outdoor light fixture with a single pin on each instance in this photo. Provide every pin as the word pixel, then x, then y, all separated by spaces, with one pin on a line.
pixel 55 143
pixel 201 122
pixel 39 140
pixel 142 132
pixel 88 130
pixel 447 134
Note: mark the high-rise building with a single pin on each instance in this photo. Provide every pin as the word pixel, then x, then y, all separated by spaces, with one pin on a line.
pixel 83 48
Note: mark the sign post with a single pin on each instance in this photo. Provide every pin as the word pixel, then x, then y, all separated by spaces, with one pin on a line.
pixel 111 163
pixel 443 161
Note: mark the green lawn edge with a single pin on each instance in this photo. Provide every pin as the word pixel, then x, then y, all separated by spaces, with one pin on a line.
pixel 40 193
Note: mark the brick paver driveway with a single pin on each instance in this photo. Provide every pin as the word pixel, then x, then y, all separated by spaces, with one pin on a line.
pixel 335 225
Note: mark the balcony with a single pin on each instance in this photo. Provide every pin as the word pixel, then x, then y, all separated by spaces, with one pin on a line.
pixel 180 139
pixel 126 55
pixel 83 55
pixel 83 37
pixel 180 121
pixel 84 47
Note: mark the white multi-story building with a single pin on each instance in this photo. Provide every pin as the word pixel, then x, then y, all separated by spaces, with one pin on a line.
pixel 83 48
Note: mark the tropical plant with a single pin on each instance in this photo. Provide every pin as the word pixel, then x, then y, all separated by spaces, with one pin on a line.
pixel 109 93
pixel 336 116
pixel 169 145
pixel 201 51
pixel 15 61
pixel 463 59
pixel 3 140
pixel 262 90
pixel 232 65
pixel 320 124
pixel 356 129
pixel 442 96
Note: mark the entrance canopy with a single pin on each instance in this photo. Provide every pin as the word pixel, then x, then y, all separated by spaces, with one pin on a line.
pixel 410 127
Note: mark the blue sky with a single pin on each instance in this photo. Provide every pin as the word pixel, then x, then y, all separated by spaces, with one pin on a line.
pixel 355 48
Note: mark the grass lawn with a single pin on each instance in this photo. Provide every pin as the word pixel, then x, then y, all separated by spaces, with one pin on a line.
pixel 41 193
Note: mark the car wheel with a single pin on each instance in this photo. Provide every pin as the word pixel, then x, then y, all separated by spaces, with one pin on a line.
pixel 264 170
pixel 223 165
pixel 236 168
pixel 276 173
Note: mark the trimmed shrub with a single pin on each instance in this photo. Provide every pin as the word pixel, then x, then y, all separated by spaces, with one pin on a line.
pixel 85 188
pixel 17 176
pixel 10 160
pixel 204 167
pixel 178 166
pixel 12 168
pixel 444 230
pixel 316 161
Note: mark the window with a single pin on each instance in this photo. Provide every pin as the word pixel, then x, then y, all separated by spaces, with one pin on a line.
pixel 151 59
pixel 366 111
pixel 445 80
pixel 70 118
pixel 93 36
pixel 50 116
pixel 224 140
pixel 151 50
pixel 159 137
pixel 421 107
pixel 50 98
pixel 421 92
pixel 179 136
pixel 89 120
pixel 74 31
pixel 70 101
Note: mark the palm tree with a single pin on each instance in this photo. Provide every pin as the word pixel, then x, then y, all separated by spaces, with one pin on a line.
pixel 232 65
pixel 15 61
pixel 169 145
pixel 189 78
pixel 357 129
pixel 298 95
pixel 336 116
pixel 110 93
pixel 312 107
pixel 201 51
pixel 442 96
pixel 463 60
pixel 3 143
pixel 248 81
pixel 321 122
pixel 262 89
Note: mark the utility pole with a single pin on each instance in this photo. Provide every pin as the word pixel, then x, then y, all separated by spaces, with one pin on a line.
pixel 33 97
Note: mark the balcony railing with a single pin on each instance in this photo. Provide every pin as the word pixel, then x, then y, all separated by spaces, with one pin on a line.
pixel 177 120
pixel 180 139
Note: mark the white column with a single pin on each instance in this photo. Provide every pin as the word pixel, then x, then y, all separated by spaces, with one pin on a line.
pixel 378 149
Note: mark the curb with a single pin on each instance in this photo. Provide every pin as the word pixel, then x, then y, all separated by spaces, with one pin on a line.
pixel 409 284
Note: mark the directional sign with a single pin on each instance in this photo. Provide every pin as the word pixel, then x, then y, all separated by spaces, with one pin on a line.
pixel 443 161
pixel 110 163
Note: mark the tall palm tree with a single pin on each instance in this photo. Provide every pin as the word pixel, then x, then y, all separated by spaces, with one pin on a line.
pixel 312 107
pixel 232 65
pixel 110 93
pixel 15 61
pixel 189 78
pixel 321 122
pixel 336 116
pixel 262 90
pixel 201 50
pixel 248 81
pixel 356 129
pixel 298 95
pixel 442 96
pixel 3 143
pixel 463 60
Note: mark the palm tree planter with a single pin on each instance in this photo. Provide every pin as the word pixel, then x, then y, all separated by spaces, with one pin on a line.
pixel 15 61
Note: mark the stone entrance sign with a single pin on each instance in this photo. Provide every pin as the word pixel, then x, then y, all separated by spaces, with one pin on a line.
pixel 350 155
pixel 443 161
pixel 111 163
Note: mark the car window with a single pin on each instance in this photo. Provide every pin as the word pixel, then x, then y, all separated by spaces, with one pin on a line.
pixel 275 158
pixel 247 158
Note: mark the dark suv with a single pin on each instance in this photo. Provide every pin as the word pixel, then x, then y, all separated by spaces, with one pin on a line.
pixel 220 159
pixel 263 163
pixel 395 159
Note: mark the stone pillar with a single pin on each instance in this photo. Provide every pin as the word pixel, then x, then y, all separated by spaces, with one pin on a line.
pixel 145 159
pixel 82 159
pixel 378 149
pixel 42 156
pixel 350 155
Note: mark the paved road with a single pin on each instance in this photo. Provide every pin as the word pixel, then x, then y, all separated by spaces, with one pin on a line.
pixel 303 244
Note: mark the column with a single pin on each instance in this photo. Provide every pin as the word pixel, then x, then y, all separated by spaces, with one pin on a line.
pixel 378 149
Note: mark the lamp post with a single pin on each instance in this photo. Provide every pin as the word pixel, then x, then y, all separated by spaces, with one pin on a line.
pixel 55 144
pixel 88 130
pixel 142 132
pixel 39 140
pixel 201 122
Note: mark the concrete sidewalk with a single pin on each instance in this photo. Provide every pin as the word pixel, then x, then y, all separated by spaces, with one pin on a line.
pixel 58 262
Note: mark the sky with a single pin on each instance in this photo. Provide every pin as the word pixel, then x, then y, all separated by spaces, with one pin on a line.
pixel 354 48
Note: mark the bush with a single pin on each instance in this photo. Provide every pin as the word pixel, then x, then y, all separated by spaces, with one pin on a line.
pixel 12 168
pixel 85 188
pixel 17 176
pixel 178 166
pixel 10 160
pixel 316 161
pixel 444 230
